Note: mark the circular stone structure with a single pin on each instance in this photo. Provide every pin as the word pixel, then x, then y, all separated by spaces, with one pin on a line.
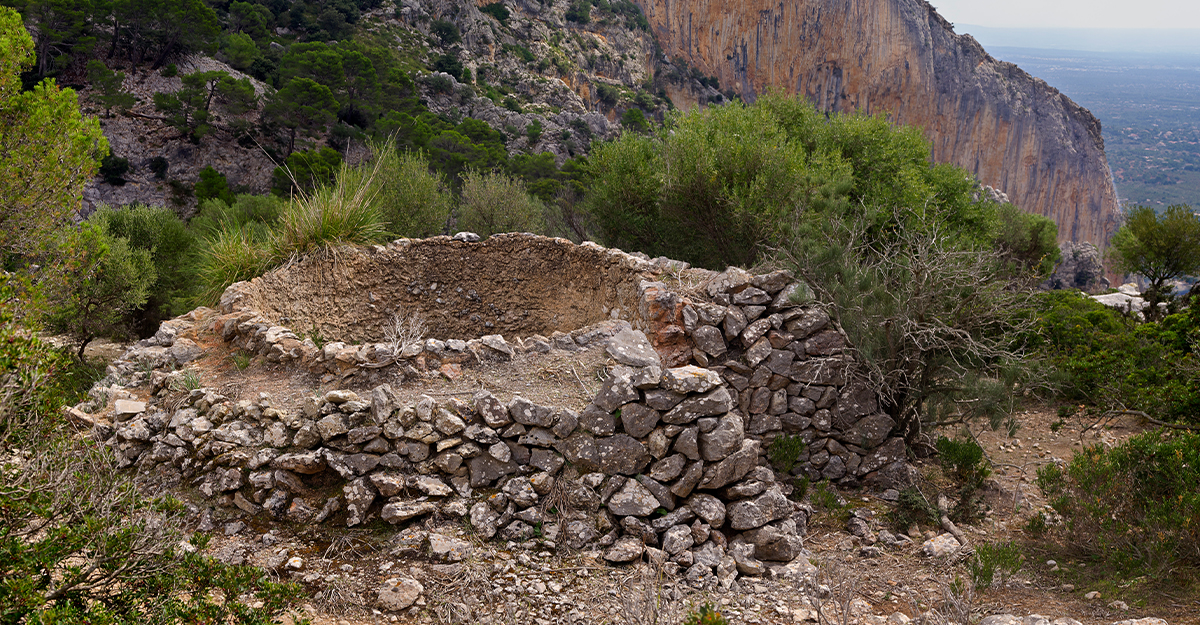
pixel 510 284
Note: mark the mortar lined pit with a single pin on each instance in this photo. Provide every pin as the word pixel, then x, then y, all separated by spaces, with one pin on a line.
pixel 512 284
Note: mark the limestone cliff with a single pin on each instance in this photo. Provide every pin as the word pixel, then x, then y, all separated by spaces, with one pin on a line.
pixel 899 57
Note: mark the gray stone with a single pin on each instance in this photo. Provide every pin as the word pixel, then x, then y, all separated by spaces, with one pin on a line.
pixel 835 469
pixel 565 422
pixel 597 420
pixel 825 343
pixel 708 508
pixel 751 296
pixel 710 340
pixel 647 377
pixel 483 519
pixel 494 414
pixel 662 399
pixel 305 463
pixel 682 516
pixel 759 351
pixel 691 478
pixel 546 460
pixel 520 492
pixel 538 437
pixel 580 450
pixel 481 434
pixel 886 454
pixel 432 486
pixel 447 422
pixel 723 440
pixel 626 549
pixel 360 494
pixel 732 280
pixel 869 432
pixel 389 485
pixel 677 539
pixel 714 402
pixel 500 451
pixel 580 533
pixel 660 492
pixel 774 543
pixel 331 426
pixel 743 555
pixel 397 511
pixel 688 443
pixel 735 321
pixel 383 402
pixel 485 469
pixel 757 512
pixel 940 546
pixel 621 455
pixel 638 420
pixel 690 379
pixel 892 477
pixel 617 390
pixel 733 468
pixel 526 412
pixel 668 468
pixel 633 499
pixel 399 593
pixel 631 347
pixel 634 526
pixel 808 323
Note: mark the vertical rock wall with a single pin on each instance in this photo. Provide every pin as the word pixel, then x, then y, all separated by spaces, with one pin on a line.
pixel 900 58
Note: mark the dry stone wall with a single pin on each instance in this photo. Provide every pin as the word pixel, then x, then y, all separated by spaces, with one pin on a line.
pixel 668 460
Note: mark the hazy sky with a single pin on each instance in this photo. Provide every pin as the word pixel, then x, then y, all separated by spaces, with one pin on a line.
pixel 1072 13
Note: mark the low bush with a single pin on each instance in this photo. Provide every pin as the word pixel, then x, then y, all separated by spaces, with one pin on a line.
pixel 1137 505
pixel 1108 360
pixel 412 201
pixel 174 251
pixel 494 202
pixel 993 558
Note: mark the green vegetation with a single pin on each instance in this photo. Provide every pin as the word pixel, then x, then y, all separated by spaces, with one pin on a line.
pixel 1160 248
pixel 496 202
pixel 1136 506
pixel 992 558
pixel 784 451
pixel 1106 360
pixel 705 615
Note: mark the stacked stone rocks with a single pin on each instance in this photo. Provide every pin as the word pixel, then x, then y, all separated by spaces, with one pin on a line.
pixel 668 461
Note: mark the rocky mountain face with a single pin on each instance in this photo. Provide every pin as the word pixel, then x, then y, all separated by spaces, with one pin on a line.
pixel 900 58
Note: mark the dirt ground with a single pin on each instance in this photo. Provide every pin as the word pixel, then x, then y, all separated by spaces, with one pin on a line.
pixel 536 582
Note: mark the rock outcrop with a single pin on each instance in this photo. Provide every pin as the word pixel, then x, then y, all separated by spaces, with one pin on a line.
pixel 900 58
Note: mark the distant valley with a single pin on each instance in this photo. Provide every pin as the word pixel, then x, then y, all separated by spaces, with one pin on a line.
pixel 1145 91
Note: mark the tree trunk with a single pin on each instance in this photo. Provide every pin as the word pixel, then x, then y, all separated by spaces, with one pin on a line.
pixel 82 346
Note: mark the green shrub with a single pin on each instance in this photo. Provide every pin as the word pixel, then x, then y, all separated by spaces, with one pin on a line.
pixel 784 450
pixel 635 120
pixel 105 282
pixel 965 461
pixel 304 171
pixel 494 202
pixel 579 12
pixel 158 167
pixel 258 213
pixel 113 169
pixel 174 250
pixel 1108 360
pixel 445 31
pixel 412 201
pixel 496 10
pixel 991 558
pixel 212 184
pixel 1136 505
pixel 705 615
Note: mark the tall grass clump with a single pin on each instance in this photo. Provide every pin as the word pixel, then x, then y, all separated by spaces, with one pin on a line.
pixel 412 201
pixel 495 202
pixel 233 253
pixel 337 214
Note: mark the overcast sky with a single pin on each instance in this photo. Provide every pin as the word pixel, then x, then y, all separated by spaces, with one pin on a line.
pixel 1072 13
